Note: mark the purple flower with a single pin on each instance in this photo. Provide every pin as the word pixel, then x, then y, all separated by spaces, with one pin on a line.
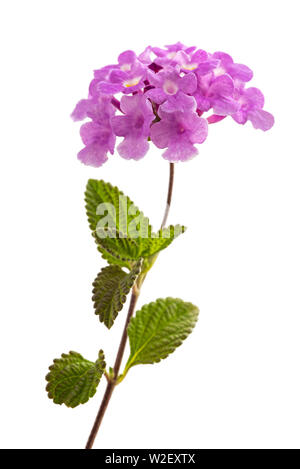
pixel 97 136
pixel 180 102
pixel 168 82
pixel 216 93
pixel 100 75
pixel 146 56
pixel 226 65
pixel 94 108
pixel 191 61
pixel 199 61
pixel 166 56
pixel 127 77
pixel 178 132
pixel 134 126
pixel 251 102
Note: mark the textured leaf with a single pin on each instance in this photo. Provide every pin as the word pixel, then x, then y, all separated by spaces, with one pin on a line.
pixel 103 201
pixel 111 287
pixel 160 240
pixel 72 379
pixel 121 231
pixel 100 192
pixel 158 328
pixel 125 250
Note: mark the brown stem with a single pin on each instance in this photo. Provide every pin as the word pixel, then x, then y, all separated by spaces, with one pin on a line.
pixel 133 300
pixel 169 196
pixel 111 383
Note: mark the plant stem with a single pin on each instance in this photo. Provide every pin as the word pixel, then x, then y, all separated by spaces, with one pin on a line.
pixel 133 300
pixel 169 196
pixel 111 383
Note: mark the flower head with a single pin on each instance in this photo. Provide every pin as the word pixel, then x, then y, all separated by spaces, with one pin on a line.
pixel 169 95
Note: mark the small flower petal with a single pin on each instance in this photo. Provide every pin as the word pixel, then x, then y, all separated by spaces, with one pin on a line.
pixel 254 97
pixel 180 102
pixel 180 151
pixel 109 88
pixel 225 106
pixel 132 148
pixel 157 95
pixel 161 134
pixel 222 86
pixel 80 111
pixel 188 83
pixel 261 119
pixel 93 155
pixel 240 71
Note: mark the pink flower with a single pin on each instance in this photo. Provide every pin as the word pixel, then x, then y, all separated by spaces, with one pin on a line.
pixel 134 125
pixel 227 65
pixel 127 77
pixel 97 135
pixel 216 93
pixel 178 132
pixel 168 82
pixel 251 102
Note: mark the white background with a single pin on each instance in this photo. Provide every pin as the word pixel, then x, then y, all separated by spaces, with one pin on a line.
pixel 235 382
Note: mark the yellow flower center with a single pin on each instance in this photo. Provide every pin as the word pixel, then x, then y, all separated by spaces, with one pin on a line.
pixel 190 66
pixel 132 82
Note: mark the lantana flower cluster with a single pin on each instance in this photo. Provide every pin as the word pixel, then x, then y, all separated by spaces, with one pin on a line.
pixel 167 96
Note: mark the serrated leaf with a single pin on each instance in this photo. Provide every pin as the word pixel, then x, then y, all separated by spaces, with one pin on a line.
pixel 111 287
pixel 158 329
pixel 160 240
pixel 125 250
pixel 121 231
pixel 124 214
pixel 72 379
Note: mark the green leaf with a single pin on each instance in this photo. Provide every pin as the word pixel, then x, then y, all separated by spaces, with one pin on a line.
pixel 72 379
pixel 160 240
pixel 104 200
pixel 111 287
pixel 158 329
pixel 110 211
pixel 121 231
pixel 125 250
